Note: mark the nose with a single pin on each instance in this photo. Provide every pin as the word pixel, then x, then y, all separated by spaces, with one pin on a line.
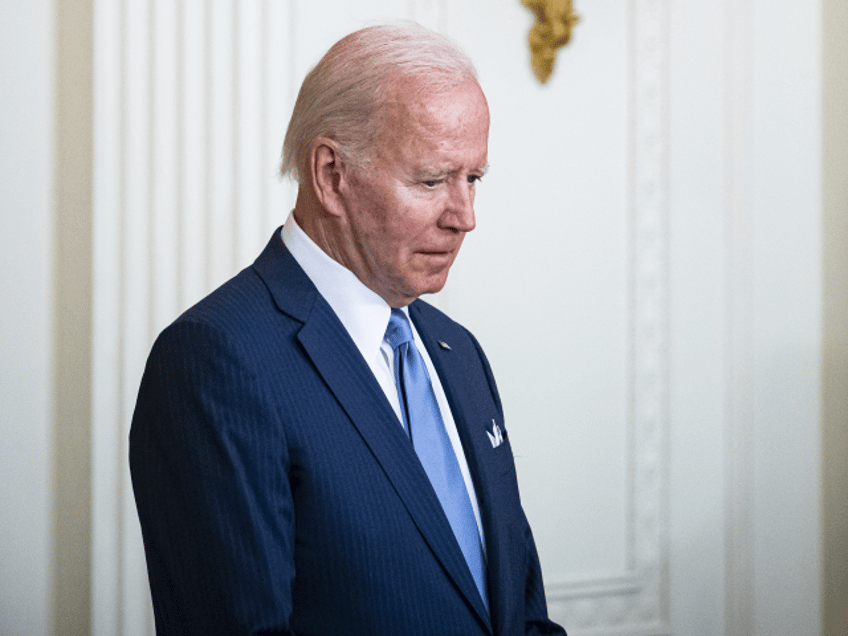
pixel 459 213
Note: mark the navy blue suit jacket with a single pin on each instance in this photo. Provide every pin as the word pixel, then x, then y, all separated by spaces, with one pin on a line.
pixel 278 493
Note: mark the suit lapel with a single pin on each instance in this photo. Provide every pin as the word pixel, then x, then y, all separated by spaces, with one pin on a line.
pixel 340 364
pixel 471 417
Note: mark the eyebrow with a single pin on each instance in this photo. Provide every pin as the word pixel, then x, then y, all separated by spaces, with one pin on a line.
pixel 435 173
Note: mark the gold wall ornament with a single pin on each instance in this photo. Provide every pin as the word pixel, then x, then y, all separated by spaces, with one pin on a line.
pixel 554 21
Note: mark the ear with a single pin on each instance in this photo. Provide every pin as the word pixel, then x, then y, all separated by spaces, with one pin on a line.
pixel 327 171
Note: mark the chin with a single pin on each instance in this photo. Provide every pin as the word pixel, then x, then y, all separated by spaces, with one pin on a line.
pixel 419 283
pixel 435 284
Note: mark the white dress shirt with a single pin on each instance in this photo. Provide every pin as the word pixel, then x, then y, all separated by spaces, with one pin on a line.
pixel 365 316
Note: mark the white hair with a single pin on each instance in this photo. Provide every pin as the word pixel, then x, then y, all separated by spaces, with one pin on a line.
pixel 341 97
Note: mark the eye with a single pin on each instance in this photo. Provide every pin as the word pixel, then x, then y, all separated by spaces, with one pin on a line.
pixel 432 183
pixel 473 178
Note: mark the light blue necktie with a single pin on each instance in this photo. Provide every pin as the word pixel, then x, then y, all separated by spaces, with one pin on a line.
pixel 423 422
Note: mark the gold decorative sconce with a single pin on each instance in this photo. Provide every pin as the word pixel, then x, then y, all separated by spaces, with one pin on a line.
pixel 554 21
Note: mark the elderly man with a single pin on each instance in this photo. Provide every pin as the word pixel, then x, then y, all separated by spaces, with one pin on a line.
pixel 314 450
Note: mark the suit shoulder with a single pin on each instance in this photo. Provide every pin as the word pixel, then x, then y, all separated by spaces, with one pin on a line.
pixel 236 324
pixel 241 301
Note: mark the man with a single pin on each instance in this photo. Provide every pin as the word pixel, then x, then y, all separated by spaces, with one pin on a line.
pixel 314 450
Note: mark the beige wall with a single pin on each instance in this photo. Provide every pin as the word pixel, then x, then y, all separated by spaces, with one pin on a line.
pixel 835 315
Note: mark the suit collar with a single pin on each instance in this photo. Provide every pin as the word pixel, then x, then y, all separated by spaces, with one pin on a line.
pixel 363 312
pixel 336 358
pixel 289 286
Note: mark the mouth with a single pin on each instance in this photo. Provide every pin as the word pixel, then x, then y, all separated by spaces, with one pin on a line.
pixel 438 253
pixel 437 260
pixel 446 251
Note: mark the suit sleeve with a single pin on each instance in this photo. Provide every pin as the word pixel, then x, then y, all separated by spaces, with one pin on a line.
pixel 209 464
pixel 536 621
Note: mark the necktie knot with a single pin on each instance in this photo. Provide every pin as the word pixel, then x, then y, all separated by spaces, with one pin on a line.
pixel 399 331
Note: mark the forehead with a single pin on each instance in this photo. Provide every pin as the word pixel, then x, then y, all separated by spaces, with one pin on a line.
pixel 415 112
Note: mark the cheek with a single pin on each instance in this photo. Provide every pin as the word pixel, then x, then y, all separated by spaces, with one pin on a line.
pixel 402 228
pixel 390 227
pixel 370 220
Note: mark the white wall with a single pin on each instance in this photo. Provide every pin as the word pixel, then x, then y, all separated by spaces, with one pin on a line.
pixel 26 320
pixel 786 316
pixel 747 284
pixel 701 326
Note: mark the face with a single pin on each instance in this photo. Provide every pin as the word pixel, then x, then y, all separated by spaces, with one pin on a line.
pixel 408 211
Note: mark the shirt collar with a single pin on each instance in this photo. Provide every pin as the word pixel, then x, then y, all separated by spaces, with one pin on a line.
pixel 364 314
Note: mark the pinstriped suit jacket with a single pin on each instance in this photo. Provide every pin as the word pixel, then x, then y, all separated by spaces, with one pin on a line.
pixel 278 495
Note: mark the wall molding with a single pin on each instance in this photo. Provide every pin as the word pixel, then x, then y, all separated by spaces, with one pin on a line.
pixel 637 601
pixel 615 585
